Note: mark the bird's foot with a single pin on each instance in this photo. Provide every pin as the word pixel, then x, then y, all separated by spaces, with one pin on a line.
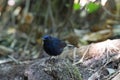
pixel 52 59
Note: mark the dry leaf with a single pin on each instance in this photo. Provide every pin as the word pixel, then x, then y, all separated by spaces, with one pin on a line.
pixel 98 36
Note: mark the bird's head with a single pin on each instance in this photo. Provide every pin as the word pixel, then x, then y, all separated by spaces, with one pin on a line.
pixel 46 37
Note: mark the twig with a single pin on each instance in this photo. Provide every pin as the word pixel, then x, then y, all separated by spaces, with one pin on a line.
pixel 27 6
pixel 15 60
pixel 4 50
pixel 13 43
pixel 84 54
pixel 28 40
pixel 109 13
pixel 5 61
pixel 74 55
pixel 46 17
pixel 112 76
pixel 51 16
pixel 26 9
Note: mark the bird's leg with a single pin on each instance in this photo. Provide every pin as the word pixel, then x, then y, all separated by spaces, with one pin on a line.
pixel 52 59
pixel 49 60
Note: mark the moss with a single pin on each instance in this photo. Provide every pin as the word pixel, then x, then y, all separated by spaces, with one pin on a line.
pixel 74 71
pixel 63 70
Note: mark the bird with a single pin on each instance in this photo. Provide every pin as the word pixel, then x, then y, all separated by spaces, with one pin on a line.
pixel 52 45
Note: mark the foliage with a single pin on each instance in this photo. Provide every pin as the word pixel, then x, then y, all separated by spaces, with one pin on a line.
pixel 92 7
pixel 76 6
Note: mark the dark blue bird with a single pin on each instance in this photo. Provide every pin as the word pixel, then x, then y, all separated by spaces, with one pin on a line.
pixel 53 46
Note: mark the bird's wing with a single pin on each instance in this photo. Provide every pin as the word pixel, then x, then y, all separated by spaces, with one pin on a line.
pixel 58 43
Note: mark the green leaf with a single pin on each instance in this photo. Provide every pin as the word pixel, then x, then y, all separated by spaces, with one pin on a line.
pixel 92 7
pixel 76 6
